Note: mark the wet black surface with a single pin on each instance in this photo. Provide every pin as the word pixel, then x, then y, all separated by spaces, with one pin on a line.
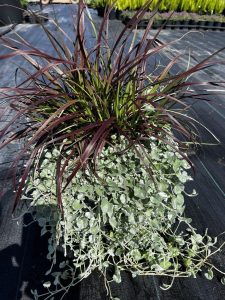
pixel 22 251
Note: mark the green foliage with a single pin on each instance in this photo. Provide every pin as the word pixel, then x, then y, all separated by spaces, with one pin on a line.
pixel 220 6
pixel 177 16
pixel 197 6
pixel 123 220
pixel 24 3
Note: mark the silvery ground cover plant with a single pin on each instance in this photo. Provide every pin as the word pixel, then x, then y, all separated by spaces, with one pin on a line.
pixel 105 173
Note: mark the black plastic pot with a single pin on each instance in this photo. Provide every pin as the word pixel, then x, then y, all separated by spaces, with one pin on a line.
pixel 100 11
pixel 185 24
pixel 39 17
pixel 181 23
pixel 143 24
pixel 173 25
pixel 200 24
pixel 178 24
pixel 210 24
pixel 125 19
pixel 222 26
pixel 114 14
pixel 119 14
pixel 157 24
pixel 192 24
pixel 12 14
pixel 216 25
pixel 169 24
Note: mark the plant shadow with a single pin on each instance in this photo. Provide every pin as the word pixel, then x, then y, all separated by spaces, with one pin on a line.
pixel 23 266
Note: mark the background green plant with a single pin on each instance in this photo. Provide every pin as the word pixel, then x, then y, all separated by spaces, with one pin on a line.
pixel 197 6
pixel 24 3
pixel 177 16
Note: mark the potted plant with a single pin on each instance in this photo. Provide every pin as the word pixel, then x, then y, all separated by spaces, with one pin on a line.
pixel 183 19
pixel 158 21
pixel 186 20
pixel 177 20
pixel 192 21
pixel 209 21
pixel 222 26
pixel 11 11
pixel 201 21
pixel 216 22
pixel 172 18
pixel 105 174
pixel 101 6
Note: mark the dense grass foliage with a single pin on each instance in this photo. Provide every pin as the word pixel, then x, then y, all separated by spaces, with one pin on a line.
pixel 198 6
pixel 176 16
